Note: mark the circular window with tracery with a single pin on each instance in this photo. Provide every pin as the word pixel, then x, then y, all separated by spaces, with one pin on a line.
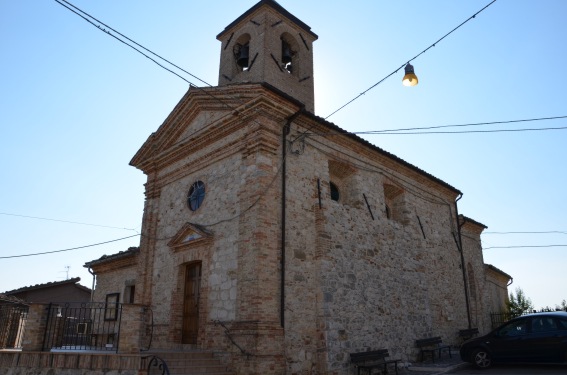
pixel 196 195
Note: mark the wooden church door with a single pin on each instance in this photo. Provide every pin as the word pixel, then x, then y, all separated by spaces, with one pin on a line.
pixel 191 303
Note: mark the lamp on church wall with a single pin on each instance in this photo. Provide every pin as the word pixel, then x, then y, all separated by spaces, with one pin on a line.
pixel 410 79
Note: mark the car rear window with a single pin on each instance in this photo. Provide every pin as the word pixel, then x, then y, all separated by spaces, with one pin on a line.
pixel 544 324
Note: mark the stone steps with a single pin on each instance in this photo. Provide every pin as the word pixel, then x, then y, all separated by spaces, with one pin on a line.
pixel 189 363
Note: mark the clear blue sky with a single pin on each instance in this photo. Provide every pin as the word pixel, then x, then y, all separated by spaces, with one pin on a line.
pixel 75 106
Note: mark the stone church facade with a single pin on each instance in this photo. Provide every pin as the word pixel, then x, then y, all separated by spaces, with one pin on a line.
pixel 281 240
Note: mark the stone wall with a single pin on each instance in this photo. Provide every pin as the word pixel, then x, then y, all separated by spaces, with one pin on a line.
pixel 359 279
pixel 115 280
pixel 46 363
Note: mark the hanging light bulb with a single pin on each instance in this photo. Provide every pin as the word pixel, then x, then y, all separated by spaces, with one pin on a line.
pixel 410 79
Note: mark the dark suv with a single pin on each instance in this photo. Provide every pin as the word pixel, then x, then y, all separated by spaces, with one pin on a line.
pixel 539 337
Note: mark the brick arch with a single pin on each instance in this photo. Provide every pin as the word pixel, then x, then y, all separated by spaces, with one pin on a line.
pixel 294 48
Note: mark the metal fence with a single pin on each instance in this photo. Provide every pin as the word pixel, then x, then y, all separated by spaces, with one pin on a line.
pixel 498 319
pixel 83 326
pixel 12 325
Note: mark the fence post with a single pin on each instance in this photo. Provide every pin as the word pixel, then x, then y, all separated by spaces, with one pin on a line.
pixel 35 327
pixel 131 327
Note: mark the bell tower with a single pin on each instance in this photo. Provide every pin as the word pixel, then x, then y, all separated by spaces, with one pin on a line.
pixel 267 44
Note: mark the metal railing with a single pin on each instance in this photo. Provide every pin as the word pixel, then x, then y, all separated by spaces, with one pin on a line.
pixel 498 319
pixel 12 325
pixel 157 365
pixel 83 326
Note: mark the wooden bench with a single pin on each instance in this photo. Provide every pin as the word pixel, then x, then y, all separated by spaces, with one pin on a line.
pixel 466 334
pixel 431 345
pixel 373 359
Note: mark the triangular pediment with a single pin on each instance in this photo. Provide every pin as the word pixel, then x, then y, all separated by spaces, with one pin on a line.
pixel 199 113
pixel 189 235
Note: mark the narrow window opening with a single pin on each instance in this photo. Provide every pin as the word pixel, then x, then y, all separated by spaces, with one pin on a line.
pixel 243 56
pixel 334 192
pixel 287 56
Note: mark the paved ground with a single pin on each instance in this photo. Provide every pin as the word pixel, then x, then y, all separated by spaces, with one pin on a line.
pixel 440 366
pixel 512 370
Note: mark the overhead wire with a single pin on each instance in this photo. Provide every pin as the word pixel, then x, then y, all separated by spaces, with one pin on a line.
pixel 533 232
pixel 65 221
pixel 136 43
pixel 87 17
pixel 522 246
pixel 410 60
pixel 461 125
pixel 470 131
pixel 70 249
pixel 397 131
pixel 122 41
pixel 401 130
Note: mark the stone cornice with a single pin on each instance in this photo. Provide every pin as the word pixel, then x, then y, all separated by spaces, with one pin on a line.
pixel 163 147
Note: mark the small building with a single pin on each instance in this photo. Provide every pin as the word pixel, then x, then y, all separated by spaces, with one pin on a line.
pixel 53 292
pixel 497 282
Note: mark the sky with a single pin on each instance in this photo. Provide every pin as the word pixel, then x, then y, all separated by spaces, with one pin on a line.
pixel 76 105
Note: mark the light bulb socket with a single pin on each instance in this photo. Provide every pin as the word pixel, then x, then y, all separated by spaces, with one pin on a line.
pixel 409 69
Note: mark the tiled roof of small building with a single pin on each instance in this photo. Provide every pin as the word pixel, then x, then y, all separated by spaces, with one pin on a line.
pixel 465 219
pixel 110 258
pixel 11 299
pixel 497 270
pixel 74 280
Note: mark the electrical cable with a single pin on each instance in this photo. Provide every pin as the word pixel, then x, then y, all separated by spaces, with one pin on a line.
pixel 394 131
pixel 522 246
pixel 542 232
pixel 84 16
pixel 472 131
pixel 461 125
pixel 120 40
pixel 65 221
pixel 410 60
pixel 70 249
pixel 133 41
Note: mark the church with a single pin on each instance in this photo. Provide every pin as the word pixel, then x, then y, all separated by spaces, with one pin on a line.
pixel 280 240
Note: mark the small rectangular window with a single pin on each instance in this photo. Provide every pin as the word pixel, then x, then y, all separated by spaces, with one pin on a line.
pixel 129 293
pixel 111 307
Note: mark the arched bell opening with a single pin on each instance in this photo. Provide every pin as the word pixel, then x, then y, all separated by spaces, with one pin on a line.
pixel 241 52
pixel 289 54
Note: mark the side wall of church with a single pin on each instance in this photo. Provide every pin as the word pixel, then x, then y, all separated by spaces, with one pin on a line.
pixel 361 278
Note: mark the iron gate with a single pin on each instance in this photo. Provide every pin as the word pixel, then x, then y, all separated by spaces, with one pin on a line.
pixel 12 325
pixel 83 326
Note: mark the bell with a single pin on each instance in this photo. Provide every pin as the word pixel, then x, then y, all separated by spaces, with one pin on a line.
pixel 243 53
pixel 410 79
pixel 286 53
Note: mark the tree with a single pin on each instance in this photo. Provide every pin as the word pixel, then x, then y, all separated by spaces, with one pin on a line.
pixel 519 304
pixel 563 306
